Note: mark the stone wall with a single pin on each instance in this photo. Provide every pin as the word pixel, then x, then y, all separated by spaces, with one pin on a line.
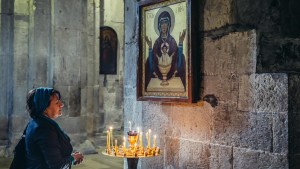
pixel 56 44
pixel 249 63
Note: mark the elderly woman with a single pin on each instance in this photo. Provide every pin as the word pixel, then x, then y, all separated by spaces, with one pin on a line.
pixel 47 146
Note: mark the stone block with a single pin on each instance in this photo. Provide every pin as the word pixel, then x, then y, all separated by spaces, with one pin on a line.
pixel 171 153
pixel 272 160
pixel 156 120
pixel 233 54
pixel 220 156
pixel 294 161
pixel 131 27
pixel 246 92
pixel 70 14
pixel 119 96
pixel 247 130
pixel 285 57
pixel 21 7
pixel 83 101
pixel 6 35
pixel 77 138
pixel 130 73
pixel 67 57
pixel 19 100
pixel 18 123
pixel 224 87
pixel 156 162
pixel 42 8
pixel 245 51
pixel 280 132
pixel 194 155
pixel 193 123
pixel 21 41
pixel 3 127
pixel 74 101
pixel 129 91
pixel 63 37
pixel 271 93
pixel 245 158
pixel 99 123
pixel 264 16
pixel 87 148
pixel 7 6
pixel 90 102
pixel 72 125
pixel 289 14
pixel 218 14
pixel 294 96
pixel 84 71
pixel 38 70
pixel 21 69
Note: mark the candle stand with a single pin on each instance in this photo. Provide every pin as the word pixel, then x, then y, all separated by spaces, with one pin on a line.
pixel 133 152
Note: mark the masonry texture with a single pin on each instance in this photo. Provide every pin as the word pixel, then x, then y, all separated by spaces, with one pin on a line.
pixel 56 44
pixel 251 64
pixel 249 54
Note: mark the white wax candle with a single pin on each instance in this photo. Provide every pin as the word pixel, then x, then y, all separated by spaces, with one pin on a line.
pixel 108 142
pixel 124 139
pixel 116 143
pixel 111 136
pixel 154 141
pixel 141 139
pixel 107 139
pixel 129 125
pixel 149 138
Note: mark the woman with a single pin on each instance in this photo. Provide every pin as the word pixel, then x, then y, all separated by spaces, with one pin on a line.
pixel 47 146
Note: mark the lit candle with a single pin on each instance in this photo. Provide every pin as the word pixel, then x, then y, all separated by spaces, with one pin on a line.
pixel 149 138
pixel 111 136
pixel 124 139
pixel 141 139
pixel 129 125
pixel 124 147
pixel 116 142
pixel 107 139
pixel 138 130
pixel 154 141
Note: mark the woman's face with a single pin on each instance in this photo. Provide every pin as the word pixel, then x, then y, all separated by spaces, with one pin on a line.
pixel 54 110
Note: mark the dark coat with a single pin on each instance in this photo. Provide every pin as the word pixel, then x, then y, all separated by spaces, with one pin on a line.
pixel 47 146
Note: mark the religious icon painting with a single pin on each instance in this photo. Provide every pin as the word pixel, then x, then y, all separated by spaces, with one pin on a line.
pixel 165 60
pixel 108 50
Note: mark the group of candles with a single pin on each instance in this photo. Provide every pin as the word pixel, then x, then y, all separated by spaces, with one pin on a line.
pixel 109 138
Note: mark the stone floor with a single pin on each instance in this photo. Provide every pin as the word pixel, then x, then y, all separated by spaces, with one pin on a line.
pixel 94 161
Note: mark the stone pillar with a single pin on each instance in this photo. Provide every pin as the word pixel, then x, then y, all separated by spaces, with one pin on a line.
pixel 6 68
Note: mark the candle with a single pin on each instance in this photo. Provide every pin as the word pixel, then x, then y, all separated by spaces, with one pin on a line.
pixel 129 125
pixel 116 142
pixel 111 136
pixel 138 130
pixel 141 139
pixel 107 139
pixel 124 139
pixel 154 141
pixel 149 138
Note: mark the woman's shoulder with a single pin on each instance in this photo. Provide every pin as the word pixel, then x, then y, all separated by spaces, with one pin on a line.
pixel 39 124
